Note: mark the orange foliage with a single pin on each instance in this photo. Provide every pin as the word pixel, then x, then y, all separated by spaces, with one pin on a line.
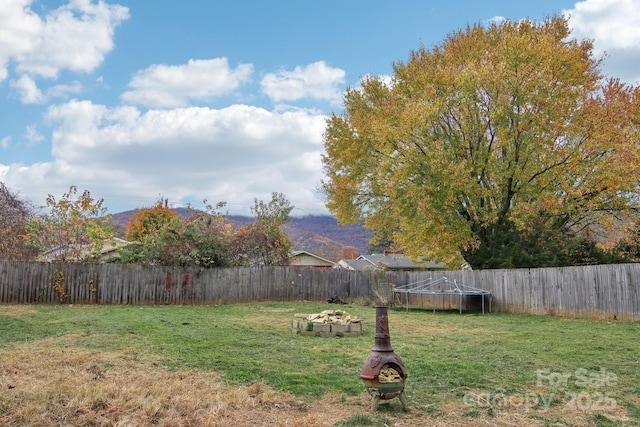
pixel 149 221
pixel 348 252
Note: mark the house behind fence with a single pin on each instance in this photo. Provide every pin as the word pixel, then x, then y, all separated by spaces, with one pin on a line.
pixel 602 291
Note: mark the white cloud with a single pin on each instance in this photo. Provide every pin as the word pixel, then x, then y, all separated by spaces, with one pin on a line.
pixel 75 36
pixel 4 142
pixel 30 93
pixel 496 20
pixel 385 79
pixel 32 135
pixel 234 154
pixel 63 91
pixel 19 31
pixel 175 85
pixel 613 26
pixel 28 90
pixel 315 81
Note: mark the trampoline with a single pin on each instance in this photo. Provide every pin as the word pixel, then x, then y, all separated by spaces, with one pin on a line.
pixel 441 287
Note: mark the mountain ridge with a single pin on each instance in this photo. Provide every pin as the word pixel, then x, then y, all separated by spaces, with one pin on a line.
pixel 321 235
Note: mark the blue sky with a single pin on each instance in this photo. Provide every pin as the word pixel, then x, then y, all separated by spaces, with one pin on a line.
pixel 135 100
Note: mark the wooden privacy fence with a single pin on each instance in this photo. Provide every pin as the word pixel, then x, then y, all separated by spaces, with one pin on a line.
pixel 78 283
pixel 592 291
pixel 601 291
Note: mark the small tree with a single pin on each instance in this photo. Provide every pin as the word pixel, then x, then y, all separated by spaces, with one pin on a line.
pixel 211 237
pixel 628 248
pixel 348 252
pixel 149 221
pixel 77 227
pixel 15 214
pixel 167 246
pixel 164 238
pixel 264 242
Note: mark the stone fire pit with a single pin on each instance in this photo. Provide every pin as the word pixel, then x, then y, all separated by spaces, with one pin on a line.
pixel 329 323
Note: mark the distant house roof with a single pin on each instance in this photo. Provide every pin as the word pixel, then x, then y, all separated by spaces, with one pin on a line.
pixel 307 259
pixel 110 249
pixel 355 264
pixel 388 261
pixel 62 252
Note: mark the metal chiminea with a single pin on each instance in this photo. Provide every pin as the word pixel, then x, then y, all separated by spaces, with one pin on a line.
pixel 383 372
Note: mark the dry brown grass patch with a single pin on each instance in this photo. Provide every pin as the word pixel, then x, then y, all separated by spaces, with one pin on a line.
pixel 16 310
pixel 45 384
pixel 48 386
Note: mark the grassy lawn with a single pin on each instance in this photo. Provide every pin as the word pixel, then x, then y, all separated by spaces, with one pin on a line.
pixel 469 369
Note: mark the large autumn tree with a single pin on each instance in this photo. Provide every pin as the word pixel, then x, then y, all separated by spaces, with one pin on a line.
pixel 500 132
